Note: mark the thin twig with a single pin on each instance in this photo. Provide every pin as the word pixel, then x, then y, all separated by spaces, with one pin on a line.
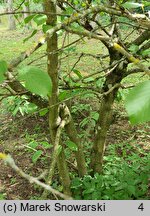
pixel 10 161
pixel 20 5
pixel 32 12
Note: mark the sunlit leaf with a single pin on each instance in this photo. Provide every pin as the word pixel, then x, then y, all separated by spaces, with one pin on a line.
pixel 36 80
pixel 40 19
pixel 138 103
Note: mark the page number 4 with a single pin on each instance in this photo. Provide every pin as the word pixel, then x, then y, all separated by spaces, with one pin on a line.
pixel 141 207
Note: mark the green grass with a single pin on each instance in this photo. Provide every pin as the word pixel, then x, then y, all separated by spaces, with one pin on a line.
pixel 12 45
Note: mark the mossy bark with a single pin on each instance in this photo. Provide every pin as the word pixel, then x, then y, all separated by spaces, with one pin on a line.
pixel 105 112
pixel 73 135
pixel 103 125
pixel 52 68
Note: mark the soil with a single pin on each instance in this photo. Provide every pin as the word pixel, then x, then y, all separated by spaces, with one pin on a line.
pixel 14 136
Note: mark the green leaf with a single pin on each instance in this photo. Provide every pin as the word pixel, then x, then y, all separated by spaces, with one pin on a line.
pixel 33 144
pixel 40 19
pixel 46 27
pixel 76 183
pixel 2 196
pixel 134 48
pixel 59 149
pixel 63 95
pixel 31 108
pixel 46 145
pixel 95 115
pixel 30 36
pixel 70 49
pixel 138 103
pixel 21 110
pixel 132 189
pixel 146 52
pixel 66 94
pixel 28 19
pixel 130 5
pixel 43 112
pixel 36 156
pixel 36 80
pixel 89 190
pixel 78 73
pixel 3 70
pixel 76 26
pixel 89 79
pixel 71 145
pixel 146 3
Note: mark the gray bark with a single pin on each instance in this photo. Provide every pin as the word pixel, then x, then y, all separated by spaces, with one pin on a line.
pixel 11 19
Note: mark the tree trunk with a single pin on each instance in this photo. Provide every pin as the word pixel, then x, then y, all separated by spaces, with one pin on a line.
pixel 105 116
pixel 105 112
pixel 52 68
pixel 26 8
pixel 73 135
pixel 11 20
